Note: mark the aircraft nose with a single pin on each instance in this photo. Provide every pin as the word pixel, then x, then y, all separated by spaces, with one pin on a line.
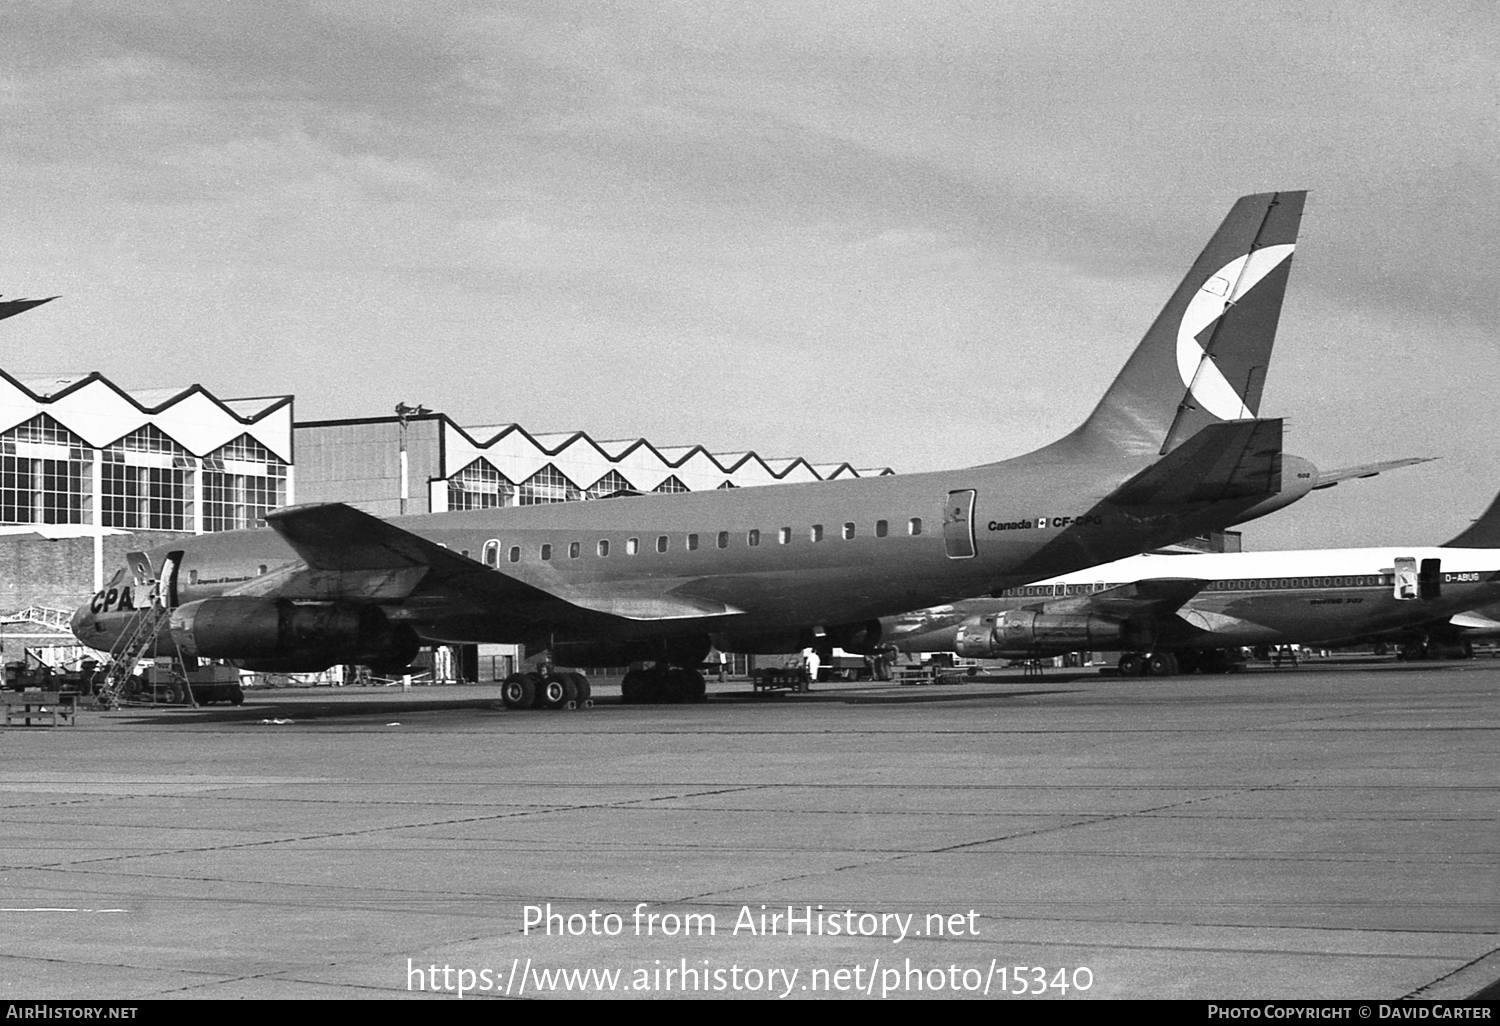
pixel 82 623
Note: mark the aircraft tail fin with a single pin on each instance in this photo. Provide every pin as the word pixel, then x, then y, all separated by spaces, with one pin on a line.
pixel 1204 359
pixel 1483 533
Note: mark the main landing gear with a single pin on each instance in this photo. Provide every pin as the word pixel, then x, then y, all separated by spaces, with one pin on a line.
pixel 1168 664
pixel 556 689
pixel 663 685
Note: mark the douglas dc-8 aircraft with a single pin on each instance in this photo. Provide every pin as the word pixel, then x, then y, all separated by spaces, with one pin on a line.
pixel 1171 613
pixel 1175 448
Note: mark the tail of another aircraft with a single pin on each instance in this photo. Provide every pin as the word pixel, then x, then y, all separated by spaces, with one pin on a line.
pixel 1483 533
pixel 1204 360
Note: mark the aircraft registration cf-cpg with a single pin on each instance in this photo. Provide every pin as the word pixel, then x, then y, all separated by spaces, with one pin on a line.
pixel 1171 613
pixel 1175 448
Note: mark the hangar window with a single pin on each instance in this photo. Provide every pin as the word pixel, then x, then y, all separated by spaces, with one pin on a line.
pixel 610 484
pixel 574 549
pixel 242 481
pixel 515 553
pixel 491 552
pixel 603 547
pixel 692 543
pixel 848 531
pixel 723 539
pixel 147 482
pixel 752 538
pixel 46 474
pixel 816 534
pixel 480 486
pixel 547 485
pixel 632 546
pixel 671 486
pixel 784 535
pixel 914 526
pixel 546 552
pixel 661 543
pixel 881 528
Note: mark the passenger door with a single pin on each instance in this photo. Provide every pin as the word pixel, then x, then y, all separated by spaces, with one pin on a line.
pixel 958 524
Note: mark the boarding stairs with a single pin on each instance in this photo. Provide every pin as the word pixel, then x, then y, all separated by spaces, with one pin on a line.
pixel 127 652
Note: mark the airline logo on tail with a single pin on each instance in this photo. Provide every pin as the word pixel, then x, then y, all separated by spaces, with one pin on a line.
pixel 1223 289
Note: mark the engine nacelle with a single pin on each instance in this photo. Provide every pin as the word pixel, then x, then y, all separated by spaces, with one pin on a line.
pixel 1019 632
pixel 288 638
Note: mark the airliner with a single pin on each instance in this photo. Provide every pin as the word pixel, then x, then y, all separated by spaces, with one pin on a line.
pixel 1169 613
pixel 1176 447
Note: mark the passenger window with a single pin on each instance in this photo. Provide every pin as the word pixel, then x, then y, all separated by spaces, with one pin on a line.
pixel 574 549
pixel 192 577
pixel 515 553
pixel 661 543
pixel 915 526
pixel 848 531
pixel 752 538
pixel 881 528
pixel 816 534
pixel 723 539
pixel 546 552
pixel 491 553
pixel 632 546
pixel 692 543
pixel 784 535
pixel 603 547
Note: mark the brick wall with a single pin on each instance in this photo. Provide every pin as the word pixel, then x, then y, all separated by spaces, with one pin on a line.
pixel 60 573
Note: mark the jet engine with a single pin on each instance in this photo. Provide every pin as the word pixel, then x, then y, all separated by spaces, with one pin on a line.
pixel 283 637
pixel 1019 632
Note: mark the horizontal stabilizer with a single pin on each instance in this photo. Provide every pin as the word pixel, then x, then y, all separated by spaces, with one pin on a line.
pixel 1157 597
pixel 1229 460
pixel 1329 478
pixel 11 307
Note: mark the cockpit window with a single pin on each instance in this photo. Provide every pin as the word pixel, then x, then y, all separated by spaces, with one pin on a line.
pixel 117 578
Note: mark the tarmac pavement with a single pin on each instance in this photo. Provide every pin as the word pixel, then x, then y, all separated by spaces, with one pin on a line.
pixel 1311 833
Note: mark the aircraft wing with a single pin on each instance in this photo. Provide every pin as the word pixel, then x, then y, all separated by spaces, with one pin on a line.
pixel 1329 478
pixel 1152 597
pixel 345 548
pixel 1227 460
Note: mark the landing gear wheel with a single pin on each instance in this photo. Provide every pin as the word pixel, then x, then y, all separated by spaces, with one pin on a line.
pixel 557 690
pixel 518 691
pixel 581 690
pixel 1131 664
pixel 1161 664
pixel 633 687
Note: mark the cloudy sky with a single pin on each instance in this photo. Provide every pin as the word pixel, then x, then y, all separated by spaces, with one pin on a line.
pixel 922 235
